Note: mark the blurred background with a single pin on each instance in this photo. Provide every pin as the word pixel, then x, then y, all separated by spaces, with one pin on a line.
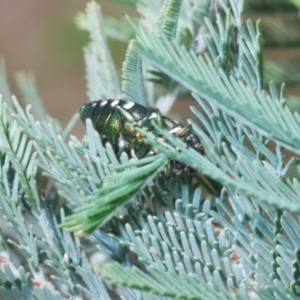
pixel 41 37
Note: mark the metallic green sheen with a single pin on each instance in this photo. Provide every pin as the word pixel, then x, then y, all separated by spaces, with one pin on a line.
pixel 108 120
pixel 113 126
pixel 113 120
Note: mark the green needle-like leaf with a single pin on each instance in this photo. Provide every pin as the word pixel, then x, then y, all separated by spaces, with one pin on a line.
pixel 133 88
pixel 197 74
pixel 117 189
pixel 180 286
pixel 242 174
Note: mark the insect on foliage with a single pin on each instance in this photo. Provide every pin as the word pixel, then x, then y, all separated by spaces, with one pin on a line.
pixel 113 120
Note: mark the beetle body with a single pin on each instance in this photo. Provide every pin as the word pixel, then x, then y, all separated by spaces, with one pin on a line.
pixel 112 120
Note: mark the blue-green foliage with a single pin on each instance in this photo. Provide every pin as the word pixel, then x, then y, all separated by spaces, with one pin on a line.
pixel 227 231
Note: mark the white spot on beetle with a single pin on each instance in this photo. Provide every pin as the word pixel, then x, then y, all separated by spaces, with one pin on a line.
pixel 128 105
pixel 114 103
pixel 174 130
pixel 133 155
pixel 94 104
pixel 103 103
pixel 121 143
pixel 153 116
